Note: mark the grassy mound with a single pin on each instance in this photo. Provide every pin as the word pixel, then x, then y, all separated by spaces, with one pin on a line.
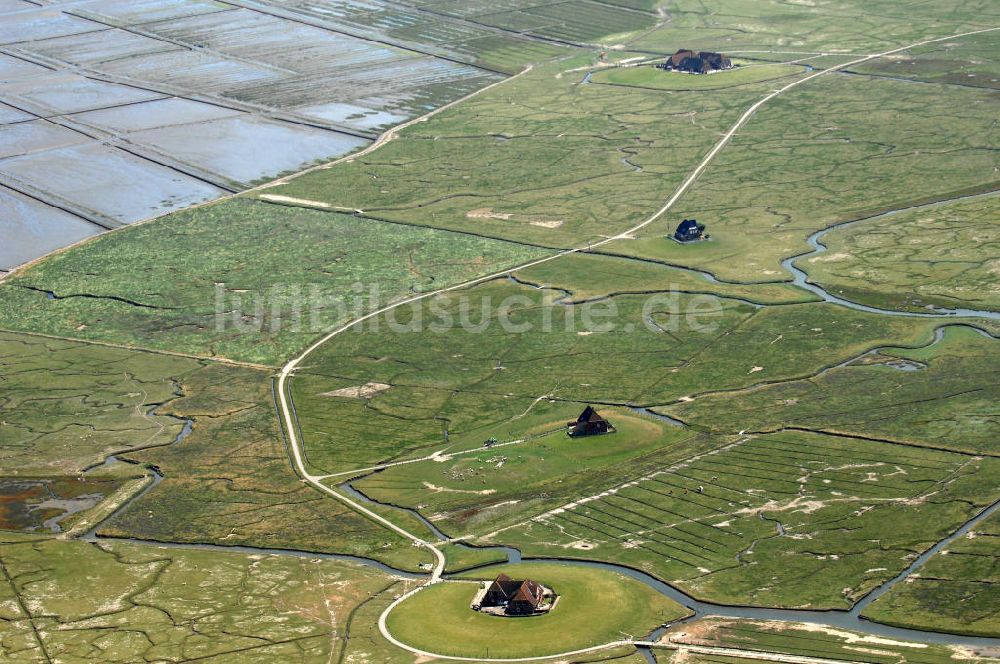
pixel 595 607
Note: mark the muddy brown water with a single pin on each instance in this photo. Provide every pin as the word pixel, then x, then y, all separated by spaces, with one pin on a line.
pixel 41 505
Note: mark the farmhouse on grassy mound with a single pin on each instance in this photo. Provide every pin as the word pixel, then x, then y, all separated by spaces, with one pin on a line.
pixel 514 598
pixel 689 230
pixel 589 423
pixel 701 62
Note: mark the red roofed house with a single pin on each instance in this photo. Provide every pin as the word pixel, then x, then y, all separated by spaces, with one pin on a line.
pixel 520 598
pixel 680 56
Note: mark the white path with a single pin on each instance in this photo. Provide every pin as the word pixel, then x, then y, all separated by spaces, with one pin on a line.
pixel 289 368
pixel 750 654
pixel 440 455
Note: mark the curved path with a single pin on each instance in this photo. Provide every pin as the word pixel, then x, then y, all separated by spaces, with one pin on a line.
pixel 288 369
pixel 842 620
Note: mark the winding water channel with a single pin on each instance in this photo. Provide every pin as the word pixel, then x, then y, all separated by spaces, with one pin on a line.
pixel 850 620
pixel 92 536
pixel 846 620
pixel 801 278
pixel 838 619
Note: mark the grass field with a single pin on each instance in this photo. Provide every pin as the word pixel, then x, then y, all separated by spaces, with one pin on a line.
pixel 845 162
pixel 492 488
pixel 648 76
pixel 365 643
pixel 818 449
pixel 465 383
pixel 461 558
pixel 227 479
pixel 680 352
pixel 594 607
pixel 941 395
pixel 145 603
pixel 832 150
pixel 589 276
pixel 540 159
pixel 779 30
pixel 944 256
pixel 801 640
pixel 957 590
pixel 973 61
pixel 67 406
pixel 230 482
pixel 790 519
pixel 246 280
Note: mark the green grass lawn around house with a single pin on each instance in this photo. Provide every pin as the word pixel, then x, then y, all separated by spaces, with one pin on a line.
pixel 595 607
pixel 485 489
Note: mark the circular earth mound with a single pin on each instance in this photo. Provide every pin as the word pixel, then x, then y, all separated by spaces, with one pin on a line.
pixel 595 607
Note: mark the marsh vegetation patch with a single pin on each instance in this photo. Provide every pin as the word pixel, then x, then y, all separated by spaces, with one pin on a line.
pixel 789 519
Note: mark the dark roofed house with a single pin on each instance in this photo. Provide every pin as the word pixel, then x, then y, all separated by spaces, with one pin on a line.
pixel 675 60
pixel 689 230
pixel 501 591
pixel 715 61
pixel 589 423
pixel 701 62
pixel 526 599
pixel 517 598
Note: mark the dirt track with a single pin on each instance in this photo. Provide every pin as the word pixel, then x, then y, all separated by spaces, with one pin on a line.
pixel 289 368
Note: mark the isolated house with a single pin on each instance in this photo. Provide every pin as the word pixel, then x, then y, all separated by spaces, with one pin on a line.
pixel 526 599
pixel 689 230
pixel 715 61
pixel 518 598
pixel 701 62
pixel 500 591
pixel 677 59
pixel 589 423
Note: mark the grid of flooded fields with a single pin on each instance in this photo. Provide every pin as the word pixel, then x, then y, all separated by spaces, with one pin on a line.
pixel 114 111
pixel 579 22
